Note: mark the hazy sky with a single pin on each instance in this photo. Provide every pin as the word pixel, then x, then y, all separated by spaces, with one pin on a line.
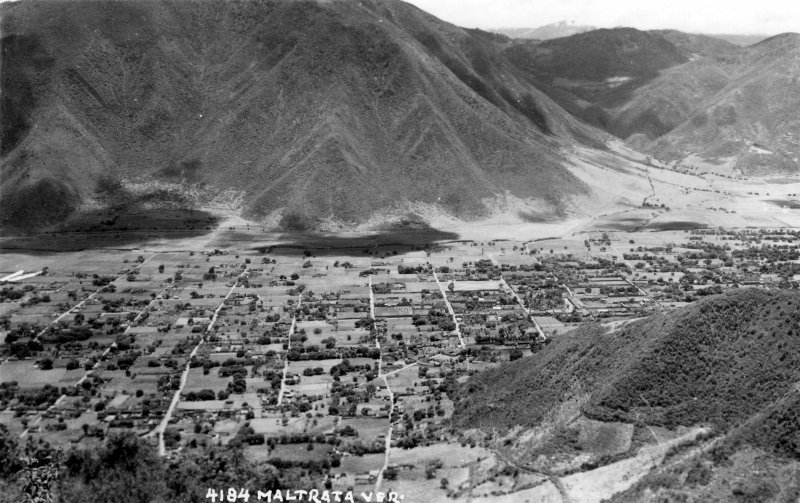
pixel 696 16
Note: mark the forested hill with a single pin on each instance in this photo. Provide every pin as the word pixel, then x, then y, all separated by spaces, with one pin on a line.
pixel 716 363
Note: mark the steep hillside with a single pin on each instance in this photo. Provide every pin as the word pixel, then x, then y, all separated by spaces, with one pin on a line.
pixel 756 461
pixel 714 363
pixel 700 404
pixel 311 111
pixel 625 80
pixel 583 72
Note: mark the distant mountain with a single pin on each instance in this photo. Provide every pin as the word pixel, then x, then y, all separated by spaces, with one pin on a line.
pixel 677 95
pixel 751 122
pixel 596 56
pixel 728 363
pixel 546 32
pixel 742 40
pixel 303 112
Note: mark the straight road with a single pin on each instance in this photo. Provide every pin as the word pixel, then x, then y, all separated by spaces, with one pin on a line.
pixel 450 309
pixel 162 450
pixel 288 348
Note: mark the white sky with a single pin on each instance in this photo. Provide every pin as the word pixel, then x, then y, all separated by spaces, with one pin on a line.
pixel 767 17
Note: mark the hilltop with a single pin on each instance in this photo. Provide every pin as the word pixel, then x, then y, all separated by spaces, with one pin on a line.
pixel 304 111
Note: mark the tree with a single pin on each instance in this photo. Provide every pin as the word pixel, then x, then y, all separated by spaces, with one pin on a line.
pixel 390 473
pixel 451 286
pixel 432 467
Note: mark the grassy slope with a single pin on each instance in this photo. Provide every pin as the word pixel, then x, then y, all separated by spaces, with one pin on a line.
pixel 329 110
pixel 716 362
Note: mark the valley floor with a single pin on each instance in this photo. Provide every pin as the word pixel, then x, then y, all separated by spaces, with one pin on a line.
pixel 335 350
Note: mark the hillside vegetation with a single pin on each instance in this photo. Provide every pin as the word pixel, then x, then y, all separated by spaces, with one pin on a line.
pixel 714 363
pixel 126 469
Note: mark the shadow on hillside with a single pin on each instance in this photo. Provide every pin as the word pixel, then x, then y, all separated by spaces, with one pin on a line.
pixel 792 204
pixel 390 242
pixel 537 217
pixel 674 225
pixel 108 229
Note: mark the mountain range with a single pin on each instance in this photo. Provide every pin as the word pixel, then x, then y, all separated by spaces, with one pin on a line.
pixel 305 114
pixel 676 95
pixel 566 28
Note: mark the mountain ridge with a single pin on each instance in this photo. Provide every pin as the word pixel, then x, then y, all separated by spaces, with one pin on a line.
pixel 660 91
pixel 303 107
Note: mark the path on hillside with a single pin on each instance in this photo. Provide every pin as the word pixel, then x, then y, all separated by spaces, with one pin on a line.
pixel 162 426
pixel 555 480
pixel 288 348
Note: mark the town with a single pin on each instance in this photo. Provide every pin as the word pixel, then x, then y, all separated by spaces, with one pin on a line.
pixel 334 364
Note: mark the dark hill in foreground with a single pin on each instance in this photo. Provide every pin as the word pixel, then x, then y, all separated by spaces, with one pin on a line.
pixel 726 367
pixel 715 363
pixel 307 110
